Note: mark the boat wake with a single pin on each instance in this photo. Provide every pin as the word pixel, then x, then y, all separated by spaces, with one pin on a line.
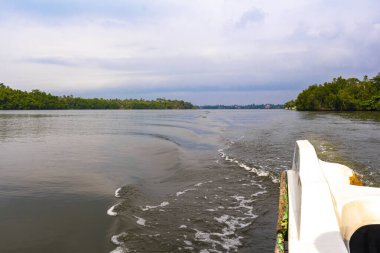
pixel 259 172
pixel 208 216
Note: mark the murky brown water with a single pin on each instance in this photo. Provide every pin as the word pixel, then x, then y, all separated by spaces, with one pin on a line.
pixel 190 181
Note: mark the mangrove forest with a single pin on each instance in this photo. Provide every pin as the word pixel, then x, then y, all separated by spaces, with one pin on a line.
pixel 13 99
pixel 341 94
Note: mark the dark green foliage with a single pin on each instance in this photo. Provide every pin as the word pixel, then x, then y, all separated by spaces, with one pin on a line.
pixel 11 99
pixel 290 104
pixel 341 94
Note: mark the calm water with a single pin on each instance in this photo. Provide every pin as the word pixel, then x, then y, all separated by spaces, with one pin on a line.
pixel 186 181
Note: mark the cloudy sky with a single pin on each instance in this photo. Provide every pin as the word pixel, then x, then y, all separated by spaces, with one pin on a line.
pixel 202 51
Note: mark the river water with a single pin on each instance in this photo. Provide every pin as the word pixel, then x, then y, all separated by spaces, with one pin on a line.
pixel 185 181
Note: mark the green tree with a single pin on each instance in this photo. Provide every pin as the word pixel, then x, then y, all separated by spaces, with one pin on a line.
pixel 341 95
pixel 37 100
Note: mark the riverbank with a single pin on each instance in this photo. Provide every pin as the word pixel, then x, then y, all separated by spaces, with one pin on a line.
pixel 340 94
pixel 12 99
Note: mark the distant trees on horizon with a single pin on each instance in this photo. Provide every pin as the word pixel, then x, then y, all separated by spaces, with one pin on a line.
pixel 12 99
pixel 251 106
pixel 341 94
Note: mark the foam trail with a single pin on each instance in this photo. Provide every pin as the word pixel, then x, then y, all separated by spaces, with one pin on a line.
pixel 183 192
pixel 115 238
pixel 258 193
pixel 146 208
pixel 260 173
pixel 227 243
pixel 121 245
pixel 117 192
pixel 111 210
pixel 227 238
pixel 119 250
pixel 140 221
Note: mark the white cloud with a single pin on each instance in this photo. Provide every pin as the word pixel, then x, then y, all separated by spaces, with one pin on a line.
pixel 251 16
pixel 200 44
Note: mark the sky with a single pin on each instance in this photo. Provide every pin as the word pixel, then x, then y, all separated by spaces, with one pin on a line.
pixel 202 51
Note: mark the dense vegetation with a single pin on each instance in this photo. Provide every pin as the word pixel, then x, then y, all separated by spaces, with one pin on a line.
pixel 341 94
pixel 252 106
pixel 11 99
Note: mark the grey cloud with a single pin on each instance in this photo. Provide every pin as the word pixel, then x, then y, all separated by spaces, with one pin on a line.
pixel 174 50
pixel 51 61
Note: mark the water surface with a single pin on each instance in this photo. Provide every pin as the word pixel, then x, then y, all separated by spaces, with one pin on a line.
pixel 189 181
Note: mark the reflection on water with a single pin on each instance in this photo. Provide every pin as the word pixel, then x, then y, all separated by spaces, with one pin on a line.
pixel 362 116
pixel 188 180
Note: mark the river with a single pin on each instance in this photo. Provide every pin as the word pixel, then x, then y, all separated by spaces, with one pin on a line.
pixel 161 181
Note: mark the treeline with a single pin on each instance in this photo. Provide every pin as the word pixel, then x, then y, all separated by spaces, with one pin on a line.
pixel 341 94
pixel 252 106
pixel 11 99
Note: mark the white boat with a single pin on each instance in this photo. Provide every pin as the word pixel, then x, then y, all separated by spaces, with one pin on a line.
pixel 324 208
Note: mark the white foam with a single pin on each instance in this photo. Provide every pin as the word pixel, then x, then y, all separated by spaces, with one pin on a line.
pixel 183 192
pixel 119 249
pixel 188 243
pixel 259 172
pixel 146 208
pixel 275 179
pixel 231 243
pixel 323 149
pixel 111 211
pixel 229 159
pixel 222 218
pixel 115 238
pixel 211 210
pixel 204 237
pixel 226 243
pixel 227 239
pixel 198 184
pixel 183 226
pixel 121 245
pixel 243 203
pixel 165 203
pixel 117 192
pixel 253 182
pixel 140 221
pixel 258 193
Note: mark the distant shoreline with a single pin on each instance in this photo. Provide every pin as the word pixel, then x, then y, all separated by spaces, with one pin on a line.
pixel 12 99
pixel 244 107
